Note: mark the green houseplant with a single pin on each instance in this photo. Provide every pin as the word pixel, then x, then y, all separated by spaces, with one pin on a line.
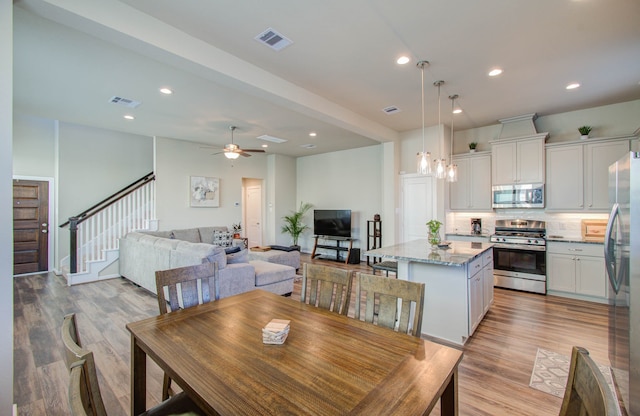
pixel 584 131
pixel 472 146
pixel 293 224
pixel 434 232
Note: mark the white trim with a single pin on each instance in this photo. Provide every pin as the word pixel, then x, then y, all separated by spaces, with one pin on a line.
pixel 52 230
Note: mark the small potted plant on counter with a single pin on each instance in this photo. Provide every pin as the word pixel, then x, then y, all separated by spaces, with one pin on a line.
pixel 472 146
pixel 584 132
pixel 434 233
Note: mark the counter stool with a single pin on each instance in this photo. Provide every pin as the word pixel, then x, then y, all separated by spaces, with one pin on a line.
pixel 387 266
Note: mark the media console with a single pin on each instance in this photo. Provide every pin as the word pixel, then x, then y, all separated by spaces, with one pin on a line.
pixel 337 247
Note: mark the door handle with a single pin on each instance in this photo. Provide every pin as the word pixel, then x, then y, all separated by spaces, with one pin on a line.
pixel 44 231
pixel 608 248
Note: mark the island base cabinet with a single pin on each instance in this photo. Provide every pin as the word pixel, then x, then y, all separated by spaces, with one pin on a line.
pixel 476 297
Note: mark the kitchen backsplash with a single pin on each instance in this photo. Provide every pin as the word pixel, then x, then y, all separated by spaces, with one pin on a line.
pixel 567 225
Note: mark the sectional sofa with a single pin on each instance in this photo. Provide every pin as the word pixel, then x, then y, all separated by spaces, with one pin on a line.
pixel 142 253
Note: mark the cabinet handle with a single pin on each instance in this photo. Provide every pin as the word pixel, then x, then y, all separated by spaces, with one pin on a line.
pixel 575 249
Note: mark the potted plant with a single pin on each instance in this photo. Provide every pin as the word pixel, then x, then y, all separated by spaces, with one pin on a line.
pixel 584 131
pixel 237 228
pixel 472 146
pixel 293 224
pixel 434 232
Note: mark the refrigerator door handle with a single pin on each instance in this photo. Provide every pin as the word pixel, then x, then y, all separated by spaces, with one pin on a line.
pixel 609 258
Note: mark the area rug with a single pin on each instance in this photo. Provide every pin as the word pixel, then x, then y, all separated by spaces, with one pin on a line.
pixel 551 370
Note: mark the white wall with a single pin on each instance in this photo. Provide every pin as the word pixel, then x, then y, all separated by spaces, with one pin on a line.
pixel 350 179
pixel 281 197
pixel 177 160
pixel 6 210
pixel 34 146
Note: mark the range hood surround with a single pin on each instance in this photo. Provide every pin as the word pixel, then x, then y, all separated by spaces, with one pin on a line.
pixel 519 127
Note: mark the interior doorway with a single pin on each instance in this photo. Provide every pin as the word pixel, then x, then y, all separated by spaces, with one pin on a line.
pixel 252 211
pixel 30 226
pixel 419 205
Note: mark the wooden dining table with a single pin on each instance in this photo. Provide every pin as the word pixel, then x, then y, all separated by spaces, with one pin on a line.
pixel 329 364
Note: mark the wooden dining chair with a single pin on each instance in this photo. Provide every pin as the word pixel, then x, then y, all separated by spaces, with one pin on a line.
pixel 185 287
pixel 587 392
pixel 84 390
pixel 329 288
pixel 382 295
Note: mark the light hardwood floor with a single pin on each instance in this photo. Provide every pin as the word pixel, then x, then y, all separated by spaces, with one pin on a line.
pixel 493 376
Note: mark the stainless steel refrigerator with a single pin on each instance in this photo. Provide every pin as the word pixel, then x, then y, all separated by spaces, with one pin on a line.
pixel 622 258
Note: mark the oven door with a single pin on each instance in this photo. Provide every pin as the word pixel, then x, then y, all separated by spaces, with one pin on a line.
pixel 520 260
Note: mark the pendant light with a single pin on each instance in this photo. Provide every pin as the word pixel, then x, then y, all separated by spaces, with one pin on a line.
pixel 452 169
pixel 441 163
pixel 424 163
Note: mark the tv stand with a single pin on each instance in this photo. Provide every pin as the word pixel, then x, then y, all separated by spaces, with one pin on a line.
pixel 337 247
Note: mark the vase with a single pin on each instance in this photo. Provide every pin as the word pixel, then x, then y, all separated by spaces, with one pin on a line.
pixel 584 137
pixel 434 239
pixel 472 150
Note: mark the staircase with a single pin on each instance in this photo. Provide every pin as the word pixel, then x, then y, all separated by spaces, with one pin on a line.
pixel 95 233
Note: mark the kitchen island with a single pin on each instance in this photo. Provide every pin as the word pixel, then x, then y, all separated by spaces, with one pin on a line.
pixel 458 284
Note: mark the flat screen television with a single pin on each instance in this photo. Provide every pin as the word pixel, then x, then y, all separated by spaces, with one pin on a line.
pixel 332 222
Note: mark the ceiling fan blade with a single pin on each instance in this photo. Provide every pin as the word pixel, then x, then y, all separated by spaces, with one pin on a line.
pixel 253 150
pixel 242 153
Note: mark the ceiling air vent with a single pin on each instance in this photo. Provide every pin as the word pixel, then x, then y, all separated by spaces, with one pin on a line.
pixel 273 39
pixel 124 101
pixel 308 146
pixel 271 139
pixel 391 110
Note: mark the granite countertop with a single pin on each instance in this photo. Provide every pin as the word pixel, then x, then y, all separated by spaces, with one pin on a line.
pixel 459 253
pixel 483 235
pixel 562 239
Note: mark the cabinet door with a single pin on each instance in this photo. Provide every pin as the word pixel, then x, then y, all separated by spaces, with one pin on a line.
pixel 599 156
pixel 487 290
pixel 480 182
pixel 561 272
pixel 590 276
pixel 503 164
pixel 459 191
pixel 530 161
pixel 564 178
pixel 475 301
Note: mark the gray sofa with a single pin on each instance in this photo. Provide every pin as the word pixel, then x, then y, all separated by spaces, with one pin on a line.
pixel 142 253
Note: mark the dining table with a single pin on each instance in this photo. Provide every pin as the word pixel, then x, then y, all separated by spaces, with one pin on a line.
pixel 329 364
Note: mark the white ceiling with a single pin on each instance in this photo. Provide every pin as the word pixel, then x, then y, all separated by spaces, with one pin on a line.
pixel 340 72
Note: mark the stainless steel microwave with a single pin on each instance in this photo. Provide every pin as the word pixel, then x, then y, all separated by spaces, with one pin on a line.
pixel 518 196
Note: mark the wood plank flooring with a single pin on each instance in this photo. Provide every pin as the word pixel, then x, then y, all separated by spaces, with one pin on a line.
pixel 493 376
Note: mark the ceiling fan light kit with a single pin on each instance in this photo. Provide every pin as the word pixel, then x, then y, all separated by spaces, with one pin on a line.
pixel 233 151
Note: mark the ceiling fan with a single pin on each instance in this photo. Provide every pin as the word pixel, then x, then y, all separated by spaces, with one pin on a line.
pixel 233 151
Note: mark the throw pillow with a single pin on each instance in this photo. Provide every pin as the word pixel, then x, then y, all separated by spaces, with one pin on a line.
pixel 239 257
pixel 222 239
pixel 231 250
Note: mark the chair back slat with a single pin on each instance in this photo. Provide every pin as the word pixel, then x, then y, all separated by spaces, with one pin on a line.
pixel 87 390
pixel 587 392
pixel 390 302
pixel 326 287
pixel 187 286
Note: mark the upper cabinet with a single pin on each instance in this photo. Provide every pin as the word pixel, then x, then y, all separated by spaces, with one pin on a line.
pixel 518 160
pixel 578 173
pixel 472 191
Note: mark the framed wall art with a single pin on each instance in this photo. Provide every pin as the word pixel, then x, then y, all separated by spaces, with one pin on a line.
pixel 204 192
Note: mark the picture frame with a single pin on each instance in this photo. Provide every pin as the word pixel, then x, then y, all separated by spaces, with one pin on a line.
pixel 204 192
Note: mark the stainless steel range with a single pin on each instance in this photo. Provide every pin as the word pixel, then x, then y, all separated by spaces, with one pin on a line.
pixel 519 255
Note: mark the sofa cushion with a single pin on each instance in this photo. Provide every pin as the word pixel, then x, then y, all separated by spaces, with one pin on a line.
pixel 163 234
pixel 232 249
pixel 222 239
pixel 191 235
pixel 287 258
pixel 268 273
pixel 194 253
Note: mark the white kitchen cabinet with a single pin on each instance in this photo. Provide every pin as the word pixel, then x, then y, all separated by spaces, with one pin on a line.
pixel 487 280
pixel 518 161
pixel 576 270
pixel 472 191
pixel 476 297
pixel 578 174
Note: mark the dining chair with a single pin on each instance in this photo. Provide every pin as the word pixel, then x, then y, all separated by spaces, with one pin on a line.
pixel 587 391
pixel 388 302
pixel 84 390
pixel 329 288
pixel 185 287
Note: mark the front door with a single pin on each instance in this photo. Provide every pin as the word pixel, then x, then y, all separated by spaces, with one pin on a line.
pixel 30 226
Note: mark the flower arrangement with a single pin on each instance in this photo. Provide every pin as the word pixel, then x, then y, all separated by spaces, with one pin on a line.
pixel 434 232
pixel 236 229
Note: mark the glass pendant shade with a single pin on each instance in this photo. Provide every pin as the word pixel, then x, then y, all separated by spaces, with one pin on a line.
pixel 441 170
pixel 424 164
pixel 452 173
pixel 231 155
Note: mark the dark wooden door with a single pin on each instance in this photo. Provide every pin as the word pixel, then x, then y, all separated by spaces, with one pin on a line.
pixel 30 226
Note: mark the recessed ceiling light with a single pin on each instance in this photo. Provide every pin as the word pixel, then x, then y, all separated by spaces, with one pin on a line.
pixel 313 134
pixel 166 91
pixel 495 72
pixel 129 117
pixel 403 60
pixel 573 86
pixel 265 145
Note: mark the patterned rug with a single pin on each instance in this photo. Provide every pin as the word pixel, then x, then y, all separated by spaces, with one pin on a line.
pixel 551 370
